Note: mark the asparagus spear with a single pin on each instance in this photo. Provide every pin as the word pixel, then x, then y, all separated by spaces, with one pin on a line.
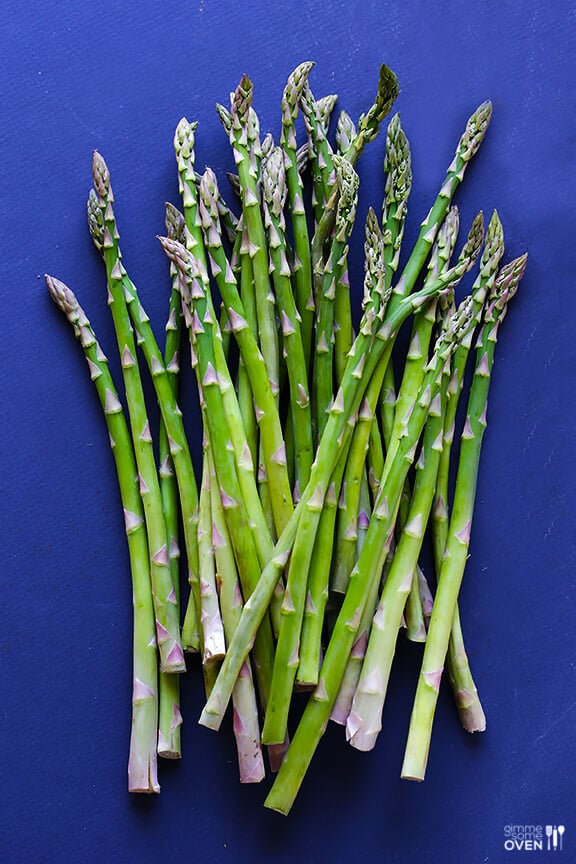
pixel 464 687
pixel 332 270
pixel 170 718
pixel 275 187
pixel 167 623
pixel 246 726
pixel 252 217
pixel 412 376
pixel 347 533
pixel 302 269
pixel 417 747
pixel 398 170
pixel 191 263
pixel 142 762
pixel 213 647
pixel 468 146
pixel 319 155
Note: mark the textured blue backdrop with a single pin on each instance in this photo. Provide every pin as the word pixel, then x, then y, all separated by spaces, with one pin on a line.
pixel 117 77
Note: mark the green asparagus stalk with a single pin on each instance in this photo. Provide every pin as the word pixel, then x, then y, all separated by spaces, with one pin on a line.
pixel 310 649
pixel 417 747
pixel 343 703
pixel 167 623
pixel 246 726
pixel 302 269
pixel 214 646
pixel 245 159
pixel 412 376
pixel 245 395
pixel 323 380
pixel 464 687
pixel 170 718
pixel 319 155
pixel 347 532
pixel 398 171
pixel 275 188
pixel 468 146
pixel 142 763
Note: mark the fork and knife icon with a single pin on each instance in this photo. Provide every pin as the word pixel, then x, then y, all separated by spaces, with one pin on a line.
pixel 554 834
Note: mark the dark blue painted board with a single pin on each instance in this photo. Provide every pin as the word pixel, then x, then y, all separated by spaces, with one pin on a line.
pixel 117 77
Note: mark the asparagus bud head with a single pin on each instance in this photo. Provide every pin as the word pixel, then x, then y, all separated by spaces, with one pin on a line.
pixel 345 132
pixel 475 131
pixel 101 176
pixel 293 90
pixel 95 221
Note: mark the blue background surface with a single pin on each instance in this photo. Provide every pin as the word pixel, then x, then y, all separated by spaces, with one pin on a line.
pixel 118 77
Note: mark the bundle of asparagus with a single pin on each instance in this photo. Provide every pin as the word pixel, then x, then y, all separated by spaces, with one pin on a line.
pixel 320 475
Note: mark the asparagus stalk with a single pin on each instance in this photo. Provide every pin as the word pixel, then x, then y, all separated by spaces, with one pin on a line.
pixel 413 372
pixel 170 718
pixel 319 155
pixel 369 123
pixel 302 269
pixel 165 604
pixel 398 170
pixel 245 395
pixel 275 187
pixel 331 276
pixel 213 647
pixel 142 762
pixel 245 159
pixel 468 146
pixel 464 687
pixel 347 533
pixel 417 747
pixel 246 726
pixel 310 649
